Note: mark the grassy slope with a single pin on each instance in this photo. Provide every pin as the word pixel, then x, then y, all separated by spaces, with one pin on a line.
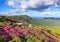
pixel 24 18
pixel 49 23
pixel 55 30
pixel 43 22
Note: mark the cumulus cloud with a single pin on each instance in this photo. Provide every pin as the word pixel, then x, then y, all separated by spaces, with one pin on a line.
pixel 10 13
pixel 38 5
pixel 36 14
pixel 50 14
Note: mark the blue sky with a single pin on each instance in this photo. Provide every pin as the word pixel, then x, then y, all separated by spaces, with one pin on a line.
pixel 33 8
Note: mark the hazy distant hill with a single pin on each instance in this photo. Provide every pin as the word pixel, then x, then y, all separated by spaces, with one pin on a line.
pixel 49 22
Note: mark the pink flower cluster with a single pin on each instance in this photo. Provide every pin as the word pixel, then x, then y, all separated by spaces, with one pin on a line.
pixel 10 31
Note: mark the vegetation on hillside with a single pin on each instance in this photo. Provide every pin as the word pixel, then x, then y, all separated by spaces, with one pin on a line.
pixel 45 22
pixel 26 29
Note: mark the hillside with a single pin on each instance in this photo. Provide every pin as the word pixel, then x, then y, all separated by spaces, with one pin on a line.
pixel 45 22
pixel 13 20
pixel 24 18
pixel 9 33
pixel 27 29
pixel 49 23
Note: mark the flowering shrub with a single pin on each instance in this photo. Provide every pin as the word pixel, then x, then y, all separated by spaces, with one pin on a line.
pixel 18 34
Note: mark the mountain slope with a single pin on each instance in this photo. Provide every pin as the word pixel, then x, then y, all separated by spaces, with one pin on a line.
pixel 46 23
pixel 28 34
pixel 24 18
pixel 49 23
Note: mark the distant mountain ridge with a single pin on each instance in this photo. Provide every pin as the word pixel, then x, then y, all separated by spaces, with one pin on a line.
pixel 39 18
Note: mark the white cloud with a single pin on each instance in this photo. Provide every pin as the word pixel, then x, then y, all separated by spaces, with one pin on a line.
pixel 24 4
pixel 9 13
pixel 36 14
pixel 50 14
pixel 57 5
pixel 11 3
pixel 48 2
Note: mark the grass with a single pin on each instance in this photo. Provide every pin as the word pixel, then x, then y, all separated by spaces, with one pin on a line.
pixel 55 30
pixel 48 23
